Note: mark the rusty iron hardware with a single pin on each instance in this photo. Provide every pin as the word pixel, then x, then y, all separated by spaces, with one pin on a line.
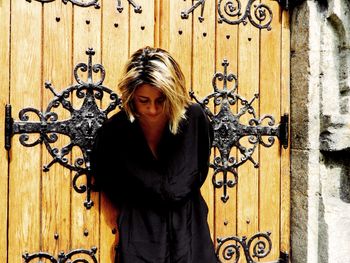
pixel 137 8
pixel 284 257
pixel 185 13
pixel 95 3
pixel 228 130
pixel 257 247
pixel 81 127
pixel 64 258
pixel 231 12
pixel 286 4
pixel 259 14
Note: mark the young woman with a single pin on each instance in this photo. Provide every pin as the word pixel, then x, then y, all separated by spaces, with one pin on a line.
pixel 151 159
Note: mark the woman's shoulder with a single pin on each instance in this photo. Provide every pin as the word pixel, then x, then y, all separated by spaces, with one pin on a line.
pixel 119 117
pixel 117 122
pixel 195 110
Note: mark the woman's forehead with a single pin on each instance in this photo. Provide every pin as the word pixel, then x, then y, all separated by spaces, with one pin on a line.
pixel 148 90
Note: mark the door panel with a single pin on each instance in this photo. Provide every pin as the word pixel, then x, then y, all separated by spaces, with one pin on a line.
pixel 43 210
pixel 4 98
pixel 25 166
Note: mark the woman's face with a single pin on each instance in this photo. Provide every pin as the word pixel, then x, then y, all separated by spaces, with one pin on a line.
pixel 149 103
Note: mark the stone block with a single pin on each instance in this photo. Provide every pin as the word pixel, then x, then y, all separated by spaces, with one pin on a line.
pixel 335 133
pixel 300 28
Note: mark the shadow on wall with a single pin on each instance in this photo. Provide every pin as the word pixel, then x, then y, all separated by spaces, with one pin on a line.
pixel 341 161
pixel 334 206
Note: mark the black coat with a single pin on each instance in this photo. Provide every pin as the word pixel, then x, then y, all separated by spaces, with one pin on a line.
pixel 163 216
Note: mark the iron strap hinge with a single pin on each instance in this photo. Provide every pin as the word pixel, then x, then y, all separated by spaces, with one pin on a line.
pixel 284 257
pixel 8 127
pixel 284 4
pixel 283 134
pixel 81 127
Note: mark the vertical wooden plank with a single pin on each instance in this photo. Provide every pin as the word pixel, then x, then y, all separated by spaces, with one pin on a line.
pixel 226 48
pixel 115 50
pixel 25 165
pixel 86 33
pixel 270 73
pixel 285 153
pixel 162 24
pixel 115 42
pixel 56 183
pixel 142 26
pixel 203 58
pixel 108 230
pixel 180 38
pixel 4 99
pixel 157 22
pixel 248 79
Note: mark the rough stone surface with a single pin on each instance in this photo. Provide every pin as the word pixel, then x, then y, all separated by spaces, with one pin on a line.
pixel 335 133
pixel 320 130
pixel 335 183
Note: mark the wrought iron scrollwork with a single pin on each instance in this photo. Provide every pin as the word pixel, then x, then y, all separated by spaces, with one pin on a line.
pixel 81 127
pixel 74 2
pixel 89 256
pixel 228 130
pixel 137 8
pixel 185 14
pixel 95 3
pixel 231 12
pixel 257 247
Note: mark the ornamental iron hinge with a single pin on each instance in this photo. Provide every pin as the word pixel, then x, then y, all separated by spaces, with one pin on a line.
pixel 81 127
pixel 285 4
pixel 231 12
pixel 95 3
pixel 63 257
pixel 185 14
pixel 259 14
pixel 257 247
pixel 229 130
pixel 137 8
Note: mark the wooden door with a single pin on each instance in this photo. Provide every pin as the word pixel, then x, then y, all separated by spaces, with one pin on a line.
pixel 42 215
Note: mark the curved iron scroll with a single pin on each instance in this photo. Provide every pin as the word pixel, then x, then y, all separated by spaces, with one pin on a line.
pixel 95 3
pixel 185 13
pixel 259 14
pixel 258 246
pixel 228 130
pixel 137 8
pixel 231 12
pixel 64 258
pixel 81 127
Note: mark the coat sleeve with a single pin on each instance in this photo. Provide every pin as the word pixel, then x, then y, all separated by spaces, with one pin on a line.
pixel 104 166
pixel 97 161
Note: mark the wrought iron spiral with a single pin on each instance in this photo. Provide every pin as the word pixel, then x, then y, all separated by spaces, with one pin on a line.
pixel 74 256
pixel 231 12
pixel 229 130
pixel 257 247
pixel 81 127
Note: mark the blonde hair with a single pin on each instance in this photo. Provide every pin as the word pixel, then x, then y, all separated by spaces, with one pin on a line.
pixel 158 68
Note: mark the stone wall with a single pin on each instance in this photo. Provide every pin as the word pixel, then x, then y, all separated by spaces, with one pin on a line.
pixel 320 130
